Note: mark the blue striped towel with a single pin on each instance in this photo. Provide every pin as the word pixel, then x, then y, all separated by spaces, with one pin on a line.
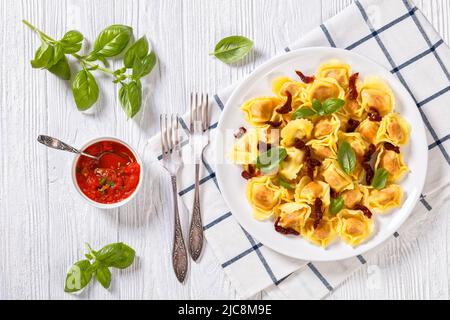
pixel 396 35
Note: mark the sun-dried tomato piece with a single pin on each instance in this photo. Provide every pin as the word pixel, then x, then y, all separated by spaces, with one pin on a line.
pixel 364 209
pixel 274 124
pixel 369 153
pixel 318 214
pixel 369 172
pixel 299 144
pixel 283 230
pixel 373 115
pixel 333 193
pixel 352 91
pixel 305 79
pixel 249 173
pixel 352 124
pixel 287 106
pixel 390 146
pixel 241 131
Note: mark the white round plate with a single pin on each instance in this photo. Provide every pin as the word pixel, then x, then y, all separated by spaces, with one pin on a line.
pixel 232 185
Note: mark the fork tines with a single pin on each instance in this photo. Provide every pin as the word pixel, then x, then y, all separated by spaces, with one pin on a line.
pixel 199 117
pixel 170 139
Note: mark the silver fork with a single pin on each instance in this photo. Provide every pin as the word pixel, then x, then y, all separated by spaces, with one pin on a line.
pixel 198 140
pixel 172 161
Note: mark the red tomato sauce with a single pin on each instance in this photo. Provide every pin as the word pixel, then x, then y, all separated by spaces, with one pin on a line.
pixel 111 179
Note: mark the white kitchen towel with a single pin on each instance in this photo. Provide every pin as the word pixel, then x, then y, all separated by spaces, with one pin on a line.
pixel 394 34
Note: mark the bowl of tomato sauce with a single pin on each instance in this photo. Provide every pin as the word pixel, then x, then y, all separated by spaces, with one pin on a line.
pixel 111 181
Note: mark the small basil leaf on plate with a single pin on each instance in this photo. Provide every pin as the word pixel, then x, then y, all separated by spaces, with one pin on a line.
pixel 346 157
pixel 85 90
pixel 112 40
pixel 232 49
pixel 332 105
pixel 78 276
pixel 380 178
pixel 103 275
pixel 285 184
pixel 317 106
pixel 336 205
pixel 117 255
pixel 269 161
pixel 303 113
pixel 130 97
pixel 139 49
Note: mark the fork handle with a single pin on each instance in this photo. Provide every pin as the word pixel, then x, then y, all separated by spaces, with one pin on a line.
pixel 179 254
pixel 196 228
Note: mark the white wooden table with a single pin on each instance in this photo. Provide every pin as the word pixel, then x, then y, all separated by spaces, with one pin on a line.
pixel 44 223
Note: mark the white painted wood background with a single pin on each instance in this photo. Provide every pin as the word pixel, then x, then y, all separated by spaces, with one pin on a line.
pixel 44 223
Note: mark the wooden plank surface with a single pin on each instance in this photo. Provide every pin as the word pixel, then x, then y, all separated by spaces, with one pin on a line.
pixel 43 223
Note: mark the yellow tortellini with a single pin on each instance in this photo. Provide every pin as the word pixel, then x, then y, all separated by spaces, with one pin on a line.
pixel 290 168
pixel 337 70
pixel 310 186
pixel 334 176
pixel 263 196
pixel 324 233
pixel 393 162
pixel 259 111
pixel 325 88
pixel 393 129
pixel 294 215
pixel 296 129
pixel 354 226
pixel 385 199
pixel 375 94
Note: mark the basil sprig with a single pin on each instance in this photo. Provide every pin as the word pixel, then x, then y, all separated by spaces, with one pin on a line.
pixel 346 157
pixel 115 255
pixel 232 49
pixel 285 184
pixel 110 42
pixel 380 178
pixel 337 205
pixel 269 161
pixel 329 106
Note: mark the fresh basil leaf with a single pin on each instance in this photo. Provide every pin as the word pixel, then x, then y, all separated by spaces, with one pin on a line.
pixel 232 49
pixel 112 40
pixel 317 106
pixel 103 275
pixel 285 184
pixel 43 56
pixel 71 41
pixel 336 205
pixel 85 90
pixel 148 63
pixel 72 36
pixel 269 161
pixel 78 276
pixel 61 69
pixel 380 178
pixel 130 96
pixel 332 105
pixel 303 113
pixel 138 67
pixel 139 49
pixel 58 53
pixel 117 255
pixel 346 157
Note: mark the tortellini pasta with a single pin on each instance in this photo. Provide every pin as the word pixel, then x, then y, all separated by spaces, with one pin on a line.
pixel 310 187
pixel 354 226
